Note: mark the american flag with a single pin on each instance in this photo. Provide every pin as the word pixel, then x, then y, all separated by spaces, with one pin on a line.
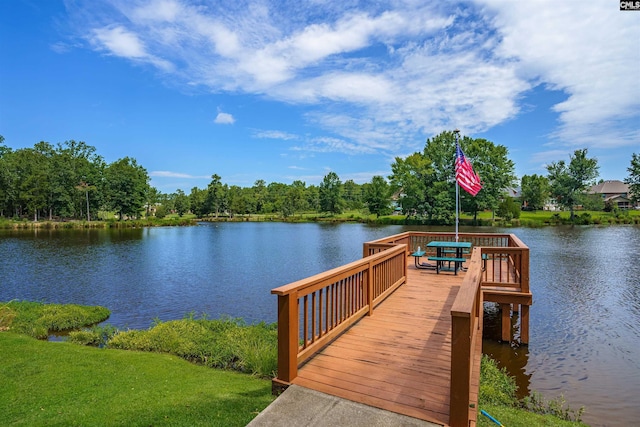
pixel 466 177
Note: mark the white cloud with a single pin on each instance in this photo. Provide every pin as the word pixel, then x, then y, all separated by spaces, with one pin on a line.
pixel 590 53
pixel 224 119
pixel 117 40
pixel 382 76
pixel 275 134
pixel 333 145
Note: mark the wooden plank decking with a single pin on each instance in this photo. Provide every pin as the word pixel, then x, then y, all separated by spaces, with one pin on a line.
pixel 398 359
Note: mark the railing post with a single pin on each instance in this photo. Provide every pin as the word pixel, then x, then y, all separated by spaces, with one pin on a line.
pixel 524 271
pixel 287 340
pixel 460 369
pixel 405 263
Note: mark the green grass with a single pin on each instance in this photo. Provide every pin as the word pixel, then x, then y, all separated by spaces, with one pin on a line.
pixel 38 319
pixel 61 383
pixel 515 417
pixel 53 383
pixel 497 397
pixel 544 218
pixel 225 343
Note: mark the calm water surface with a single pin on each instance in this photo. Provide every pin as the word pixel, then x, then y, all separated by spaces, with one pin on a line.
pixel 585 321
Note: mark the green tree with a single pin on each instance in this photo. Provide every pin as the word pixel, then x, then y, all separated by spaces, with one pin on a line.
pixel 76 180
pixel 239 200
pixel 152 202
pixel 331 194
pixel 634 178
pixel 276 193
pixel 295 199
pixel 166 202
pixel 535 191
pixel 569 182
pixel 496 170
pixel 440 189
pixel 352 194
pixel 197 201
pixel 409 178
pixel 592 202
pixel 215 201
pixel 508 209
pixel 126 185
pixel 7 179
pixel 377 196
pixel 181 202
pixel 33 178
pixel 259 195
pixel 85 188
pixel 427 180
pixel 313 198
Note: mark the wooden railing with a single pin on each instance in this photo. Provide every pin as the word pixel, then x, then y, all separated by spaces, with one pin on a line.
pixel 466 330
pixel 314 311
pixel 505 257
pixel 506 282
pixel 413 239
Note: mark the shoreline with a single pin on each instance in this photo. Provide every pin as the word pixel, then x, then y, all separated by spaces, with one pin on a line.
pixel 529 219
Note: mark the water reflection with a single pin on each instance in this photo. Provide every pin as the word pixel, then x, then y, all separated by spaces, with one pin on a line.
pixel 584 322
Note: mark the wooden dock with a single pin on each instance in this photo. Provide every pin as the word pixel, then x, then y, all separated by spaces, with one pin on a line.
pixel 381 332
pixel 399 359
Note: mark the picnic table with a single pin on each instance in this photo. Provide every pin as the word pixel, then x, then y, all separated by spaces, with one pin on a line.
pixel 448 253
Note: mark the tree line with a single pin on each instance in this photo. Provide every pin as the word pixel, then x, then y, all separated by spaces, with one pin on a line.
pixel 68 181
pixel 72 181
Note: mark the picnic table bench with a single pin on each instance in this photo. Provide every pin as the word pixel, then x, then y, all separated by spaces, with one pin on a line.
pixel 440 260
pixel 416 258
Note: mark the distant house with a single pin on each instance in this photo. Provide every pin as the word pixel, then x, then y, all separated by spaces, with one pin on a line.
pixel 513 192
pixel 613 192
pixel 395 202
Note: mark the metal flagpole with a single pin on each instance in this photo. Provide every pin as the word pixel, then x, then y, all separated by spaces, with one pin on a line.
pixel 456 133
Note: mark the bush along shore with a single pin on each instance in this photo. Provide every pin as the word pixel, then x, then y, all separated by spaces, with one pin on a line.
pixel 483 219
pixel 227 344
pixel 75 224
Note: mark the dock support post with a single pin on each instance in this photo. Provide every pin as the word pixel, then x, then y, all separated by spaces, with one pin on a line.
pixel 506 322
pixel 524 324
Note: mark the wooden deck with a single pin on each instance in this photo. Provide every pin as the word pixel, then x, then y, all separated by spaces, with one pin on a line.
pixel 379 331
pixel 398 359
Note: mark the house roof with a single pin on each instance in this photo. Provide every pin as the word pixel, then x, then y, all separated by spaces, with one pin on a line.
pixel 513 191
pixel 610 187
pixel 616 197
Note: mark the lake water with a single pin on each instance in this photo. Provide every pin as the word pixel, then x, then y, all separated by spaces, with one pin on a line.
pixel 585 321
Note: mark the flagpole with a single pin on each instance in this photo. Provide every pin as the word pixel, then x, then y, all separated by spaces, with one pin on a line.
pixel 456 132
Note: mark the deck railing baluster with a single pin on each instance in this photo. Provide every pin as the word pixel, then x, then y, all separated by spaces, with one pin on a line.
pixel 314 318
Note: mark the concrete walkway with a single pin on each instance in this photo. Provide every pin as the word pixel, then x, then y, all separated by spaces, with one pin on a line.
pixel 299 406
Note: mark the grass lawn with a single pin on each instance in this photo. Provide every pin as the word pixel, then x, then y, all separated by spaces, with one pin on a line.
pixel 63 383
pixel 540 218
pixel 514 417
pixel 57 383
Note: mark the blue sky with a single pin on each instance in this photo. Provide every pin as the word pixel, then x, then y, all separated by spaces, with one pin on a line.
pixel 291 90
